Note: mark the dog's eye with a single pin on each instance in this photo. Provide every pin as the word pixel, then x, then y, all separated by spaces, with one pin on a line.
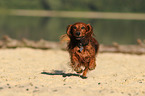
pixel 83 28
pixel 75 27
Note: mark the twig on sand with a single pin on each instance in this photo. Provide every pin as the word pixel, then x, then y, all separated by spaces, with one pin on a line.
pixel 7 42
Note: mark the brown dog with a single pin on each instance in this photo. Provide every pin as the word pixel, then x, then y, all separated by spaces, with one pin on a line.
pixel 82 47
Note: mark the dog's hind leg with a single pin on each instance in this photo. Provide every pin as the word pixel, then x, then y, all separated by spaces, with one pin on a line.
pixel 92 64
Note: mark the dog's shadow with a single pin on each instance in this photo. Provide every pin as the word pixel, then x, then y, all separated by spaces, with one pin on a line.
pixel 61 73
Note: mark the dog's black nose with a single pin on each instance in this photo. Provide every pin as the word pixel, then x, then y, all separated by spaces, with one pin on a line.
pixel 77 33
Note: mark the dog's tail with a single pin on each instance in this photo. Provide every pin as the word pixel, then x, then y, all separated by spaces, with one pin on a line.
pixel 64 38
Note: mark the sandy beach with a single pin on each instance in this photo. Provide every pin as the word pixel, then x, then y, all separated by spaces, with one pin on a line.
pixel 35 72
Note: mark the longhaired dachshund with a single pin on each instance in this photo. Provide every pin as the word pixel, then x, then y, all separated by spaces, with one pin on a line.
pixel 82 47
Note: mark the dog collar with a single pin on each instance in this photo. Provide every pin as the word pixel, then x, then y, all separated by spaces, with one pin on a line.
pixel 81 48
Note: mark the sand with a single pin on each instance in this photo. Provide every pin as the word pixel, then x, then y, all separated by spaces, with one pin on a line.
pixel 34 72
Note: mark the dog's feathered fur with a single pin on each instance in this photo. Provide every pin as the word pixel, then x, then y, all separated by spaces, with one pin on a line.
pixel 82 47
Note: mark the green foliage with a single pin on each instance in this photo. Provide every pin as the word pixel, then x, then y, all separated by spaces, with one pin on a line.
pixel 77 5
pixel 106 31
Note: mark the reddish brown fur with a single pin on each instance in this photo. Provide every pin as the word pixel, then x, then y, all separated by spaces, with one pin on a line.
pixel 80 35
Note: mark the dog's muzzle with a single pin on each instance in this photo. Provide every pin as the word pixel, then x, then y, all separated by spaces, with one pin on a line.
pixel 79 38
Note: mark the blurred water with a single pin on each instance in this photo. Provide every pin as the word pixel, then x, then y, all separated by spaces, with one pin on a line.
pixel 106 31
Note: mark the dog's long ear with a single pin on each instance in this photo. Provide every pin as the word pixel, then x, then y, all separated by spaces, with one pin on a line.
pixel 68 31
pixel 89 30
